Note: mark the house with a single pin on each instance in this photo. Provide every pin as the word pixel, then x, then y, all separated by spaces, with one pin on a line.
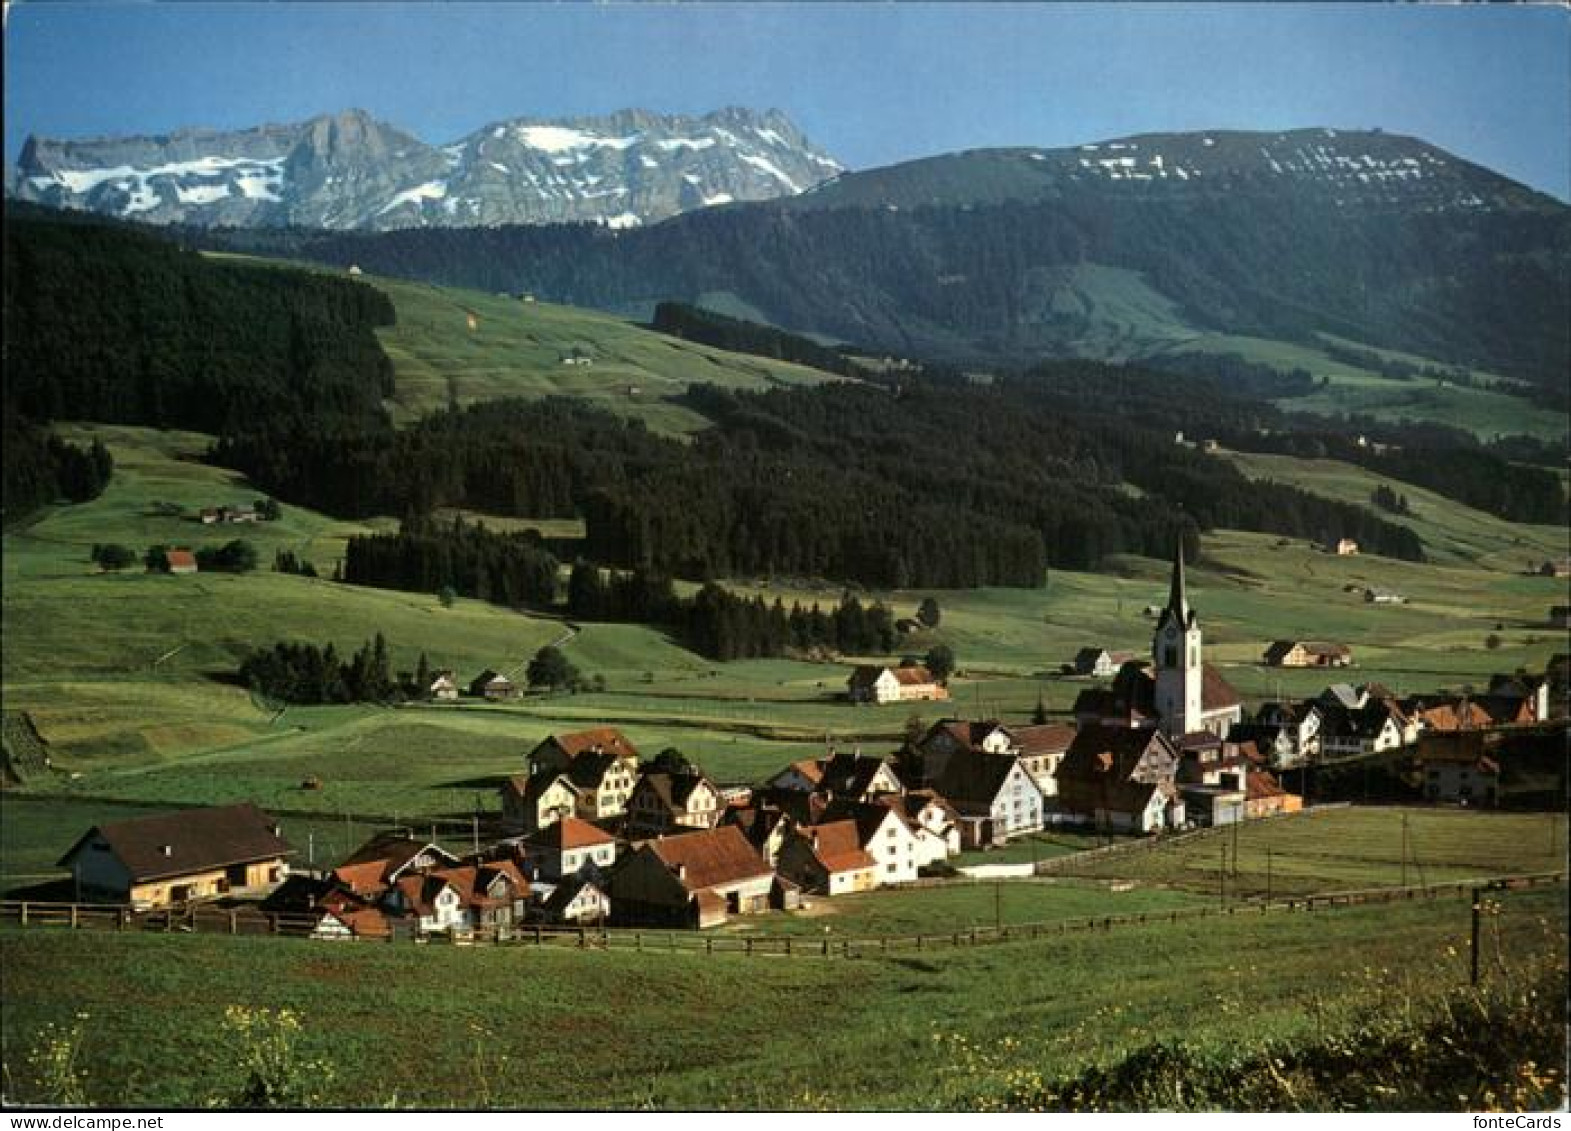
pixel 663 802
pixel 1307 654
pixel 575 902
pixel 1265 797
pixel 992 796
pixel 492 685
pixel 443 687
pixel 385 859
pixel 949 737
pixel 695 880
pixel 1376 595
pixel 173 858
pixel 828 859
pixel 320 909
pixel 1371 729
pixel 559 750
pixel 1132 700
pixel 1299 722
pixel 432 901
pixel 571 847
pixel 603 784
pixel 934 824
pixel 1342 547
pixel 1100 662
pixel 873 684
pixel 180 561
pixel 857 776
pixel 354 269
pixel 532 802
pixel 764 824
pixel 1555 568
pixel 481 894
pixel 885 835
pixel 802 776
pixel 1121 778
pixel 1458 768
pixel 1041 748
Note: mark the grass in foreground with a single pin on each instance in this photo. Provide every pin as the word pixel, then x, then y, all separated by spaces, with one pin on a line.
pixel 526 1028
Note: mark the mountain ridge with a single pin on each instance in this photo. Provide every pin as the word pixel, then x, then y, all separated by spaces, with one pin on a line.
pixel 350 170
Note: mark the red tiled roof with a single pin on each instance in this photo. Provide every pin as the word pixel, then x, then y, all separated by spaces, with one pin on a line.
pixel 838 846
pixel 913 676
pixel 571 832
pixel 1042 738
pixel 603 738
pixel 712 857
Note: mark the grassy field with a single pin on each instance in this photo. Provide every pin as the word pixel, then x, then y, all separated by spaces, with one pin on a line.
pixel 1347 849
pixel 1487 412
pixel 526 1028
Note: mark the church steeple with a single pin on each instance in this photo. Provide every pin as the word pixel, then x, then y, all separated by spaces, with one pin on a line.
pixel 1177 597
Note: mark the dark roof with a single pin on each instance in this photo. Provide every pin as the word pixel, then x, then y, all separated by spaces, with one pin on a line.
pixel 1106 753
pixel 588 770
pixel 1043 738
pixel 373 864
pixel 196 840
pixel 850 773
pixel 712 857
pixel 673 790
pixel 966 732
pixel 971 780
pixel 564 893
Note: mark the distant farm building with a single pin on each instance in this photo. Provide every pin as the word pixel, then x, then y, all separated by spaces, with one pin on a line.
pixel 1561 568
pixel 443 687
pixel 1343 547
pixel 172 858
pixel 354 269
pixel 492 685
pixel 1308 654
pixel 180 561
pixel 874 684
pixel 1375 595
pixel 1100 662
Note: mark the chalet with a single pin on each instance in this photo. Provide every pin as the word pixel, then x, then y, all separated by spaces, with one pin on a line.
pixel 765 826
pixel 803 776
pixel 1100 662
pixel 1342 547
pixel 180 561
pixel 385 859
pixel 872 684
pixel 663 802
pixel 857 777
pixel 695 880
pixel 1307 654
pixel 885 834
pixel 534 801
pixel 493 685
pixel 828 859
pixel 443 687
pixel 1121 778
pixel 992 796
pixel 559 750
pixel 1041 748
pixel 575 902
pixel 1456 768
pixel 948 737
pixel 934 824
pixel 177 857
pixel 571 847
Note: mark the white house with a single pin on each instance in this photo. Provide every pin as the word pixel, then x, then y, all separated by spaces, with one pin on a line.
pixel 571 847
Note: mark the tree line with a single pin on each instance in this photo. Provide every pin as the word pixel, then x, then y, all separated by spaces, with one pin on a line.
pixel 40 468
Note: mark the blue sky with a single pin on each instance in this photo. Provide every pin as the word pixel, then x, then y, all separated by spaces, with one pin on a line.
pixel 872 83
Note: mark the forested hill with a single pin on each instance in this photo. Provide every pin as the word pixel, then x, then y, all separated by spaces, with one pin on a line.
pixel 106 323
pixel 988 257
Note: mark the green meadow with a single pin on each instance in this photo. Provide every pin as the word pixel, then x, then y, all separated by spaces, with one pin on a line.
pixel 525 1028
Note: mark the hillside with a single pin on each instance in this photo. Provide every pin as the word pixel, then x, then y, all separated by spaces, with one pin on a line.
pixel 992 256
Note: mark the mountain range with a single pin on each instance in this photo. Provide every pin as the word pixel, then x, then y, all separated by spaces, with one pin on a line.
pixel 1117 250
pixel 351 171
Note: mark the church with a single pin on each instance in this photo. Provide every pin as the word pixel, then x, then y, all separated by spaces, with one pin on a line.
pixel 1177 693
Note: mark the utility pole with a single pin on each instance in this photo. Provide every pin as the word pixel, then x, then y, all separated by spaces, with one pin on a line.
pixel 310 848
pixel 1478 898
pixel 1268 873
pixel 1221 877
pixel 476 827
pixel 998 906
pixel 1404 848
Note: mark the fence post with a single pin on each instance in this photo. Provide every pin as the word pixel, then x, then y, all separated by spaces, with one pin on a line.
pixel 73 916
pixel 1478 897
pixel 845 948
pixel 234 927
pixel 788 946
pixel 24 912
pixel 747 946
pixel 539 935
pixel 709 944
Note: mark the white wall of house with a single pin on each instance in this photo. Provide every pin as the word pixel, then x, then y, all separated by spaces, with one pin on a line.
pixel 1018 806
pixel 893 846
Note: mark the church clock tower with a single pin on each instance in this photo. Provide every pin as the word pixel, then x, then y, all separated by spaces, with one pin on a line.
pixel 1176 652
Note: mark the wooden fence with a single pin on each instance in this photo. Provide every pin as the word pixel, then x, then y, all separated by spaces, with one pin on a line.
pixel 212 920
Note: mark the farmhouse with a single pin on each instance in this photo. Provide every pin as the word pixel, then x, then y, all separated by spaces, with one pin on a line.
pixel 1307 654
pixel 764 824
pixel 857 777
pixel 180 561
pixel 171 858
pixel 992 796
pixel 443 687
pixel 576 902
pixel 1376 595
pixel 534 801
pixel 949 737
pixel 571 847
pixel 1041 748
pixel 695 880
pixel 385 859
pixel 1121 778
pixel 1100 662
pixel 559 750
pixel 1456 768
pixel 1265 796
pixel 492 685
pixel 664 802
pixel 828 859
pixel 885 835
pixel 934 824
pixel 871 684
pixel 1342 547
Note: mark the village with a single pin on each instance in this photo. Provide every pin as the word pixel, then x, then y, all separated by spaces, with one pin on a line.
pixel 592 832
